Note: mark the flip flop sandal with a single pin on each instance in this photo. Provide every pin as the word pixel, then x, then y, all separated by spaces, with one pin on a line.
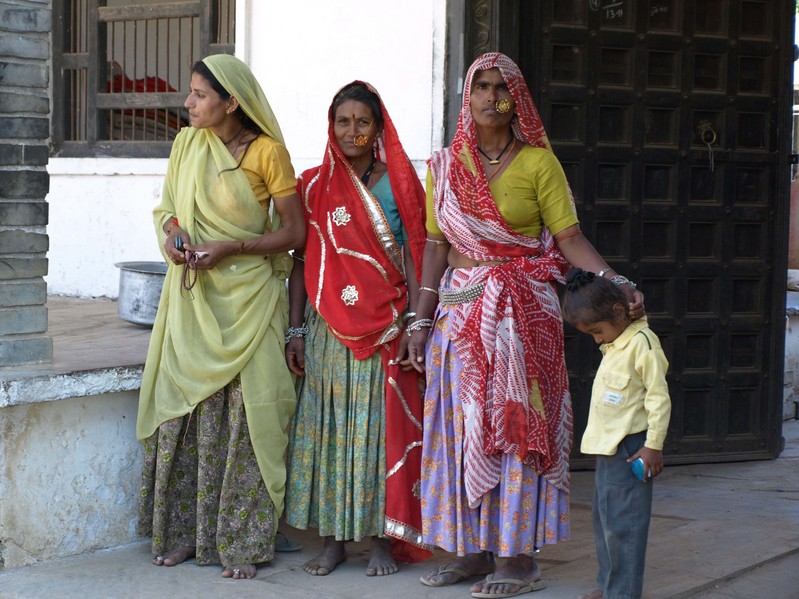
pixel 448 569
pixel 524 587
pixel 284 545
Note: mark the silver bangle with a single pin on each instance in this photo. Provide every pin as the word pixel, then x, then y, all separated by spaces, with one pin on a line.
pixel 619 280
pixel 417 325
pixel 430 289
pixel 408 316
pixel 298 332
pixel 437 241
pixel 601 273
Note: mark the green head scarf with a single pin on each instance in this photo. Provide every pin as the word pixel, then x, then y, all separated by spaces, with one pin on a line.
pixel 238 80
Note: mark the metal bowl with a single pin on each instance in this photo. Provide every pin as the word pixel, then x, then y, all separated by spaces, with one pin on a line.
pixel 140 285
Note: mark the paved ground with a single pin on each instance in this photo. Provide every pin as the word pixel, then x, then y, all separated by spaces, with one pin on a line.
pixel 720 531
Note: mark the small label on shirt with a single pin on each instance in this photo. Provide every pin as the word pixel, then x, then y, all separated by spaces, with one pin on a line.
pixel 613 398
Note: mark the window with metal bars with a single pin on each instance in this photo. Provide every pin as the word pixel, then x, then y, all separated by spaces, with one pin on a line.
pixel 121 71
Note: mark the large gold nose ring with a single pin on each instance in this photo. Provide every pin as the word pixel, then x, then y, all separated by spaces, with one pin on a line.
pixel 502 105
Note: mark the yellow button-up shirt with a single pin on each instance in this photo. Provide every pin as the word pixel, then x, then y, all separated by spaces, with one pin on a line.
pixel 630 393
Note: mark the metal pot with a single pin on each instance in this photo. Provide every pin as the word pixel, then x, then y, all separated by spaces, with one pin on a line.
pixel 140 286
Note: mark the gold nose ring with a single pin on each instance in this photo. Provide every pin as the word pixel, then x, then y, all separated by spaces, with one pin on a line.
pixel 362 139
pixel 502 105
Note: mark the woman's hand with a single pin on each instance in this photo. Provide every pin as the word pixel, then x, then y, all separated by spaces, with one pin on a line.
pixel 635 299
pixel 402 353
pixel 170 248
pixel 416 348
pixel 295 355
pixel 211 253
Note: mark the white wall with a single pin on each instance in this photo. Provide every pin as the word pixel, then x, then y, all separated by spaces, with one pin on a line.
pixel 100 214
pixel 301 51
pixel 305 50
pixel 81 457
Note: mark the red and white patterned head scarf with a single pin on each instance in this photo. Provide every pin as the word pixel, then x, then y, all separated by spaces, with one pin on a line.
pixel 480 232
pixel 527 125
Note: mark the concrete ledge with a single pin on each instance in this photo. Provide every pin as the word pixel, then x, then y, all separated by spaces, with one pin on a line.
pixel 46 387
pixel 94 353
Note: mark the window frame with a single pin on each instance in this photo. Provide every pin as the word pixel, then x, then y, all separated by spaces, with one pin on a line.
pixel 94 61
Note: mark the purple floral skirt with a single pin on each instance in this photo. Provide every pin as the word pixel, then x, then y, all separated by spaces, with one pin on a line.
pixel 521 514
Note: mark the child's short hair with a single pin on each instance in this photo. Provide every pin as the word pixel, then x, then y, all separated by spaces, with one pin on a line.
pixel 589 298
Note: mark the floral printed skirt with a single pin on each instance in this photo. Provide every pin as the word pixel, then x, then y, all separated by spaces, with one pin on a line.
pixel 522 513
pixel 201 486
pixel 336 457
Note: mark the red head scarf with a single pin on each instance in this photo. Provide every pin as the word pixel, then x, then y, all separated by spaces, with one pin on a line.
pixel 353 272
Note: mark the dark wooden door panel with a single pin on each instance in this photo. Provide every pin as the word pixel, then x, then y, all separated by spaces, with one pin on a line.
pixel 671 118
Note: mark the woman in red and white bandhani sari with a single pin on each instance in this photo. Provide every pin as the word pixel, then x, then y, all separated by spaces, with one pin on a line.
pixel 501 230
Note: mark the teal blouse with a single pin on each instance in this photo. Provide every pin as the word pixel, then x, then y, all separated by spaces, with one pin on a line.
pixel 385 195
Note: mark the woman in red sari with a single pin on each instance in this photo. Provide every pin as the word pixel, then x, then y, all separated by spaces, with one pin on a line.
pixel 501 230
pixel 355 445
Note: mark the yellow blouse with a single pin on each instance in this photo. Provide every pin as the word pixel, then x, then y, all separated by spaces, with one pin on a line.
pixel 532 192
pixel 268 168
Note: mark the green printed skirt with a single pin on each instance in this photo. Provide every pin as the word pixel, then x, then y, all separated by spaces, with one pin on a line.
pixel 201 486
pixel 336 456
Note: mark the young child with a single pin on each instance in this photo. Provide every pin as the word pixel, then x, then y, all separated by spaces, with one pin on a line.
pixel 628 419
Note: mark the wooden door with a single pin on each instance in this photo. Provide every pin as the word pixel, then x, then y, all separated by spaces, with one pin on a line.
pixel 672 121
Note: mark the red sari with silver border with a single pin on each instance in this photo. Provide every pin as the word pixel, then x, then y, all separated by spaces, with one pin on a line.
pixel 355 279
pixel 515 392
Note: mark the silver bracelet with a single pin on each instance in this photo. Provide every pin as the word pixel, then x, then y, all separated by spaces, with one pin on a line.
pixel 408 316
pixel 430 289
pixel 619 280
pixel 299 332
pixel 418 325
pixel 601 273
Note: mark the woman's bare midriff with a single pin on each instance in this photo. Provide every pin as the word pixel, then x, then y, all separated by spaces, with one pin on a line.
pixel 457 260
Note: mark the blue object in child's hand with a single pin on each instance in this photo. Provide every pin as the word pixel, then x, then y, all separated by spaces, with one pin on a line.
pixel 638 469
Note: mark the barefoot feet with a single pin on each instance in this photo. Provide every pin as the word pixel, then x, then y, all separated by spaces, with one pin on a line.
pixel 332 555
pixel 239 571
pixel 380 562
pixel 174 557
pixel 515 575
pixel 468 566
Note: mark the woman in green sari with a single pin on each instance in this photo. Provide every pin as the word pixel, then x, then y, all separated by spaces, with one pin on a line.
pixel 216 395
